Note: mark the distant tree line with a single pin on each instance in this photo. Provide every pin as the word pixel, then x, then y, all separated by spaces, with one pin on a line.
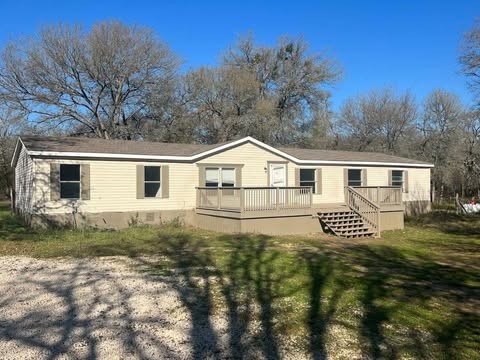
pixel 117 81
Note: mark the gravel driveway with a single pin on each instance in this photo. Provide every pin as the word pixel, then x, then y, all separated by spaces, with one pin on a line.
pixel 100 308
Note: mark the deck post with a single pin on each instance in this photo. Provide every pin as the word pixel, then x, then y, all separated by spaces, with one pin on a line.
pixel 219 198
pixel 242 199
pixel 277 198
pixel 378 195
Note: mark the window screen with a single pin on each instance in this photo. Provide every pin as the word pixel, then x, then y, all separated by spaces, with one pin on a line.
pixel 152 181
pixel 220 177
pixel 69 181
pixel 397 178
pixel 211 177
pixel 228 177
pixel 307 178
pixel 354 177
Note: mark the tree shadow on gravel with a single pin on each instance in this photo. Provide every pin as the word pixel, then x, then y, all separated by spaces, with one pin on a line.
pixel 64 326
pixel 242 283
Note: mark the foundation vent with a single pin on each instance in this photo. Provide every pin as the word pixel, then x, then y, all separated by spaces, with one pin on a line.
pixel 150 216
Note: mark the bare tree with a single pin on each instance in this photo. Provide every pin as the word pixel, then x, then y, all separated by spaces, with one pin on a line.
pixel 440 126
pixel 470 59
pixel 377 121
pixel 11 124
pixel 95 82
pixel 291 82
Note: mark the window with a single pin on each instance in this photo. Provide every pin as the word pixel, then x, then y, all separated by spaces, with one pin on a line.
pixel 307 178
pixel 152 181
pixel 219 177
pixel 69 181
pixel 397 178
pixel 354 177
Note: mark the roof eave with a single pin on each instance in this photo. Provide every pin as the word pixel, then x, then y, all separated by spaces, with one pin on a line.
pixel 199 156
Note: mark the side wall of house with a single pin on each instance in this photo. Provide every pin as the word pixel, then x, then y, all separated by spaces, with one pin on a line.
pixel 24 184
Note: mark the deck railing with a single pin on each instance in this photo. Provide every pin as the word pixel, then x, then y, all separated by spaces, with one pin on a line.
pixel 244 199
pixel 381 195
pixel 367 209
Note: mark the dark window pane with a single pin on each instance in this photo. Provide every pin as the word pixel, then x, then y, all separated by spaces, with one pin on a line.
pixel 152 173
pixel 307 175
pixel 70 190
pixel 211 184
pixel 151 189
pixel 354 177
pixel 69 172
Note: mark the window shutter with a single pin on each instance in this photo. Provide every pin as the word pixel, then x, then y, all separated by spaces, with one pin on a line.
pixel 405 180
pixel 85 181
pixel 201 176
pixel 318 181
pixel 345 177
pixel 165 181
pixel 54 181
pixel 238 176
pixel 364 177
pixel 390 177
pixel 297 176
pixel 140 182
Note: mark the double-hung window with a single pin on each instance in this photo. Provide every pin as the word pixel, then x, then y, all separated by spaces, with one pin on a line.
pixel 354 177
pixel 307 178
pixel 397 179
pixel 219 177
pixel 152 181
pixel 69 181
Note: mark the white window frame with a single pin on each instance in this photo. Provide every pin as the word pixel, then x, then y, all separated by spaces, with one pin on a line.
pixel 159 193
pixel 220 175
pixel 70 181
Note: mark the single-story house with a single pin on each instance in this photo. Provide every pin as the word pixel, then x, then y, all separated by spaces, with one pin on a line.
pixel 239 186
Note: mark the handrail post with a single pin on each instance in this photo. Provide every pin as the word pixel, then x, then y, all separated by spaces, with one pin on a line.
pixel 378 195
pixel 219 198
pixel 277 198
pixel 311 197
pixel 242 199
pixel 378 222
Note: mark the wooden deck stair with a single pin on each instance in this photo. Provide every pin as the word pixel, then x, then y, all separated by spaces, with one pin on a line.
pixel 344 222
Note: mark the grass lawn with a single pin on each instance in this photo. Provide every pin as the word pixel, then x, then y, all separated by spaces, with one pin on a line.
pixel 413 293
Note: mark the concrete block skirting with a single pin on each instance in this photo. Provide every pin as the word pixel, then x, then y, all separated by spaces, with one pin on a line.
pixel 278 225
pixel 413 208
pixel 114 220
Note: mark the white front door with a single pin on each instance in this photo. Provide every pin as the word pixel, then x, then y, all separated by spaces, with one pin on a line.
pixel 278 178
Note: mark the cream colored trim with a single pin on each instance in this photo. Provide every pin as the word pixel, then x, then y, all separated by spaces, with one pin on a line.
pixel 216 150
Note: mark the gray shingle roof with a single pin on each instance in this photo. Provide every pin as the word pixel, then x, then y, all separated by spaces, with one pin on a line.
pixel 95 145
pixel 336 155
pixel 125 147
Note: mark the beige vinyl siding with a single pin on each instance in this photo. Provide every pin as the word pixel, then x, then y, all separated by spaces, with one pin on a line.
pixel 113 188
pixel 418 181
pixel 254 159
pixel 24 185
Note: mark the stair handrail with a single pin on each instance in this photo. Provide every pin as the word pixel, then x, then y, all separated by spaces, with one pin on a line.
pixel 365 208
